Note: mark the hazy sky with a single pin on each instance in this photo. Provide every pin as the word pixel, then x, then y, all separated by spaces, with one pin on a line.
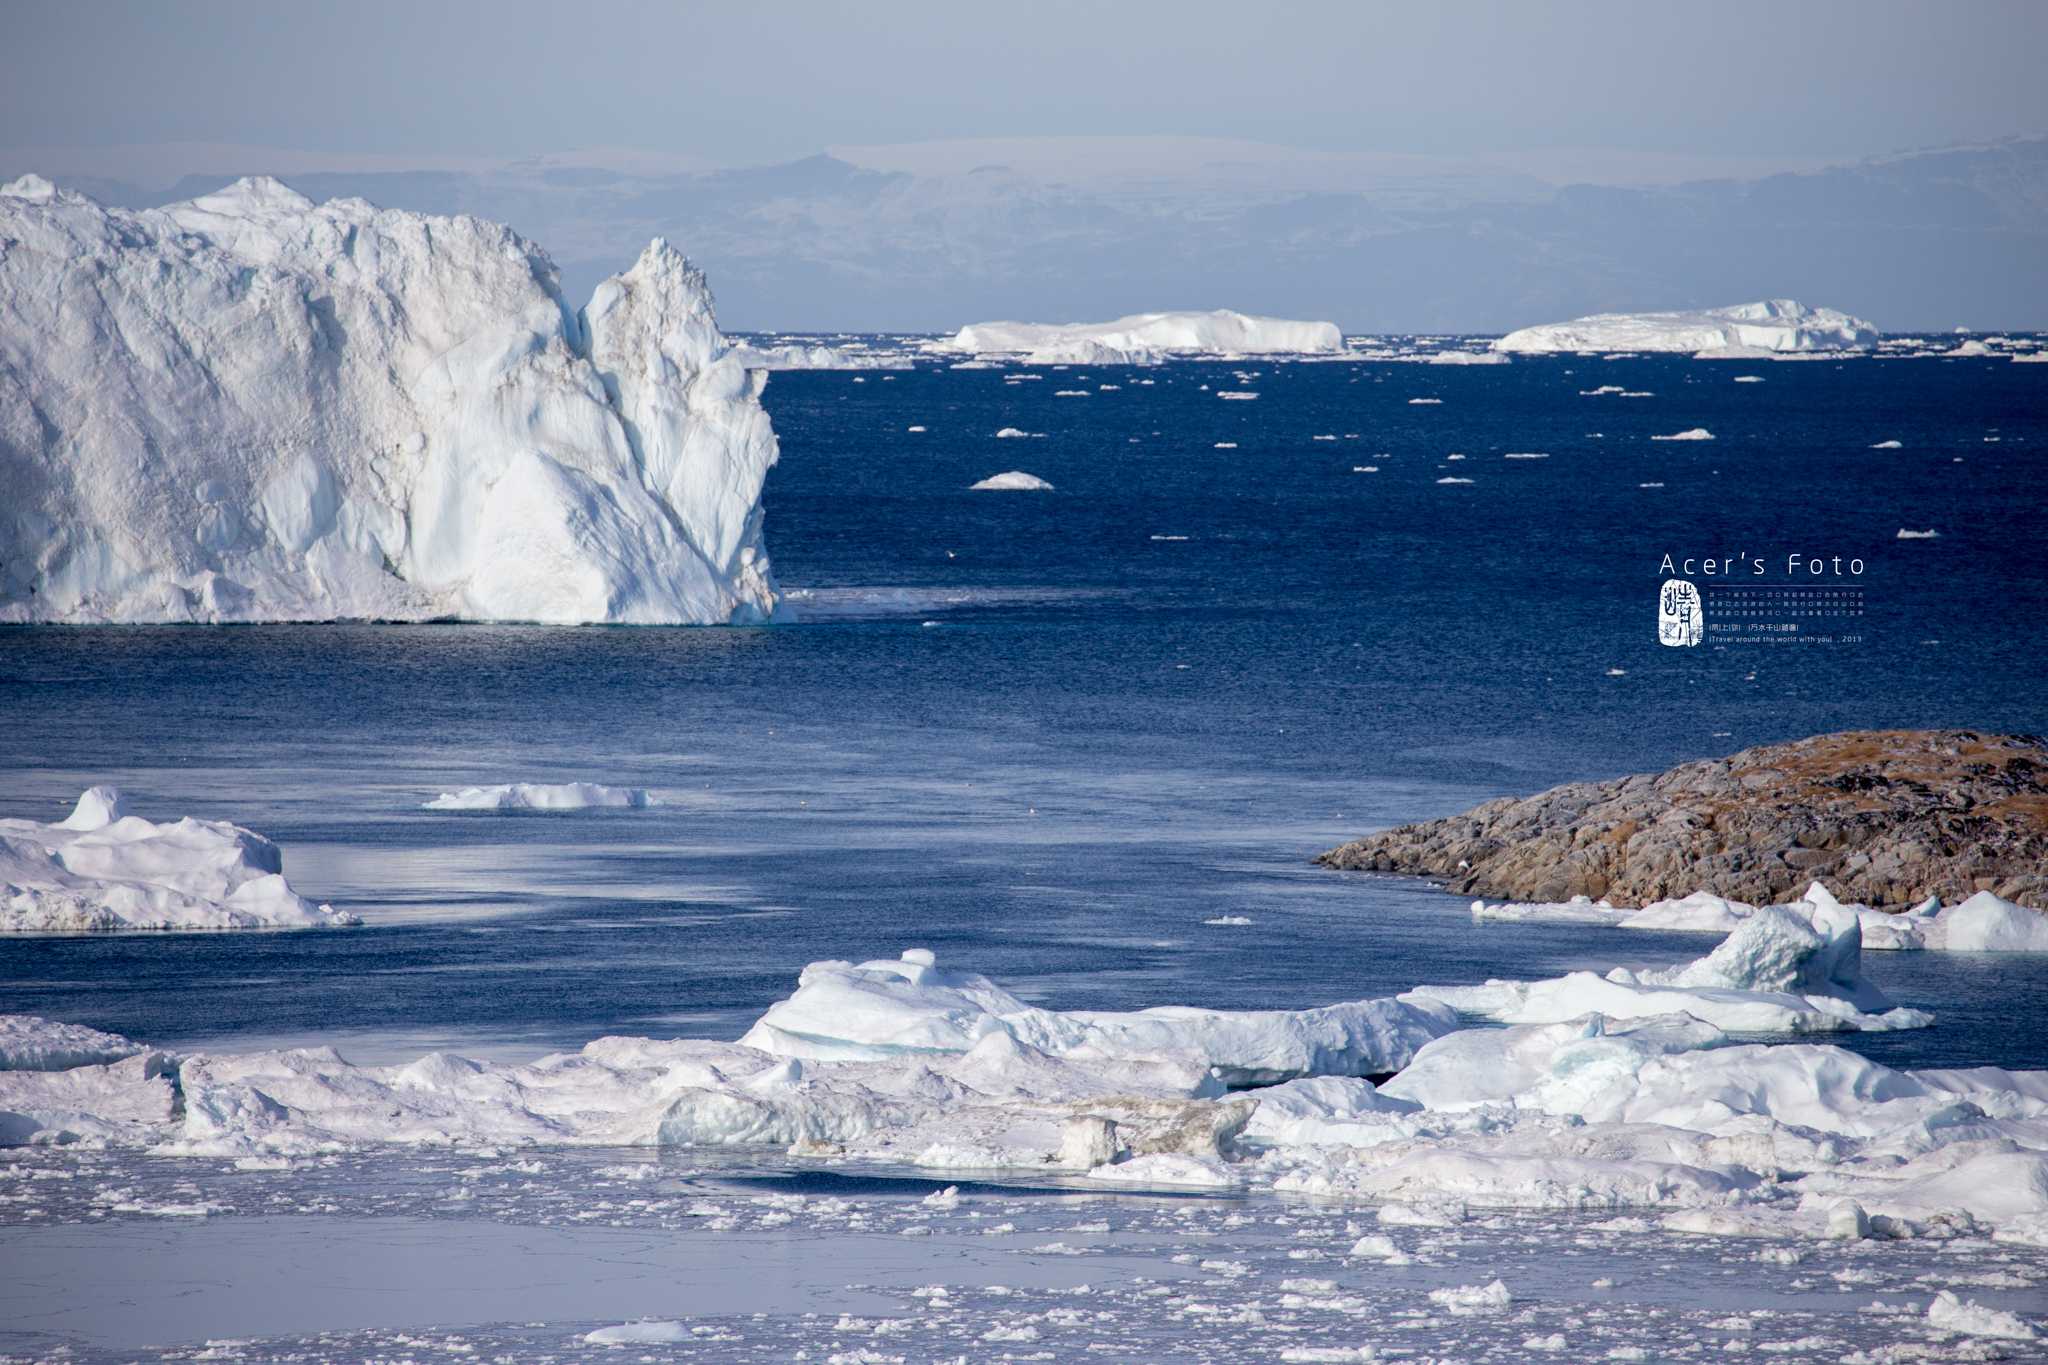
pixel 743 83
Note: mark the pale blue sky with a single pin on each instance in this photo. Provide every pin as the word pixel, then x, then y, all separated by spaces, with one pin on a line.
pixel 737 84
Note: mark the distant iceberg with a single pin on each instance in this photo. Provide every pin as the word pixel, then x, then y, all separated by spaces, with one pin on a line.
pixel 1775 326
pixel 251 407
pixel 1011 481
pixel 1145 337
pixel 543 796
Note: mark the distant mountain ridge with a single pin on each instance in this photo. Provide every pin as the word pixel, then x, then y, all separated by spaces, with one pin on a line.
pixel 1922 240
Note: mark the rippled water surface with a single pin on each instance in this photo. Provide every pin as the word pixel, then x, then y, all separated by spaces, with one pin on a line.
pixel 1049 735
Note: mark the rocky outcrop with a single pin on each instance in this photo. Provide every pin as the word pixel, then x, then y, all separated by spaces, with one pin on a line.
pixel 1884 817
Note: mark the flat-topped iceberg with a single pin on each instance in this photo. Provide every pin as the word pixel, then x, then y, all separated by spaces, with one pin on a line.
pixel 910 1005
pixel 1774 326
pixel 252 407
pixel 543 796
pixel 1148 336
pixel 102 868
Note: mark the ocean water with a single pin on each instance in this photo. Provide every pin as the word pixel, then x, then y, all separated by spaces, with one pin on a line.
pixel 1050 735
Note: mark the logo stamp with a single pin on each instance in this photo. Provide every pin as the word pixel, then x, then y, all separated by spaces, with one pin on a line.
pixel 1681 620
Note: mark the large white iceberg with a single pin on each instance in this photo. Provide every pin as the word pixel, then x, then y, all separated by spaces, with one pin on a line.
pixel 1147 336
pixel 1774 326
pixel 102 868
pixel 250 406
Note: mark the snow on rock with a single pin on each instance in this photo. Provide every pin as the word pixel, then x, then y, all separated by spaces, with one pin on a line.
pixel 252 407
pixel 1772 326
pixel 1776 972
pixel 910 1006
pixel 1148 336
pixel 1011 481
pixel 102 868
pixel 543 796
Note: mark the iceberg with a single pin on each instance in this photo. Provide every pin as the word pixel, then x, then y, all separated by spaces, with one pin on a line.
pixel 1776 972
pixel 910 1005
pixel 1987 924
pixel 1147 336
pixel 1983 923
pixel 1772 327
pixel 251 407
pixel 31 1043
pixel 1011 481
pixel 543 796
pixel 101 868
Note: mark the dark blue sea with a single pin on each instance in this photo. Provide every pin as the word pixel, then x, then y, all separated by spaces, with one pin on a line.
pixel 1049 735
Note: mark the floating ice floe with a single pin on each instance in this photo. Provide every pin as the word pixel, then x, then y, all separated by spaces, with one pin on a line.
pixel 1929 534
pixel 1011 481
pixel 909 1005
pixel 102 868
pixel 1776 972
pixel 898 1061
pixel 360 413
pixel 1889 445
pixel 1982 923
pixel 1015 433
pixel 1690 434
pixel 29 1043
pixel 1769 328
pixel 1147 336
pixel 544 796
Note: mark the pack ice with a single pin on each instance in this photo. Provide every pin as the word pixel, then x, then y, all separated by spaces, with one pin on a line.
pixel 1146 337
pixel 902 1061
pixel 1772 326
pixel 103 868
pixel 252 407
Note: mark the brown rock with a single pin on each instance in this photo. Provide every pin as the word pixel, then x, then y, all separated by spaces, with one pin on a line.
pixel 1886 817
